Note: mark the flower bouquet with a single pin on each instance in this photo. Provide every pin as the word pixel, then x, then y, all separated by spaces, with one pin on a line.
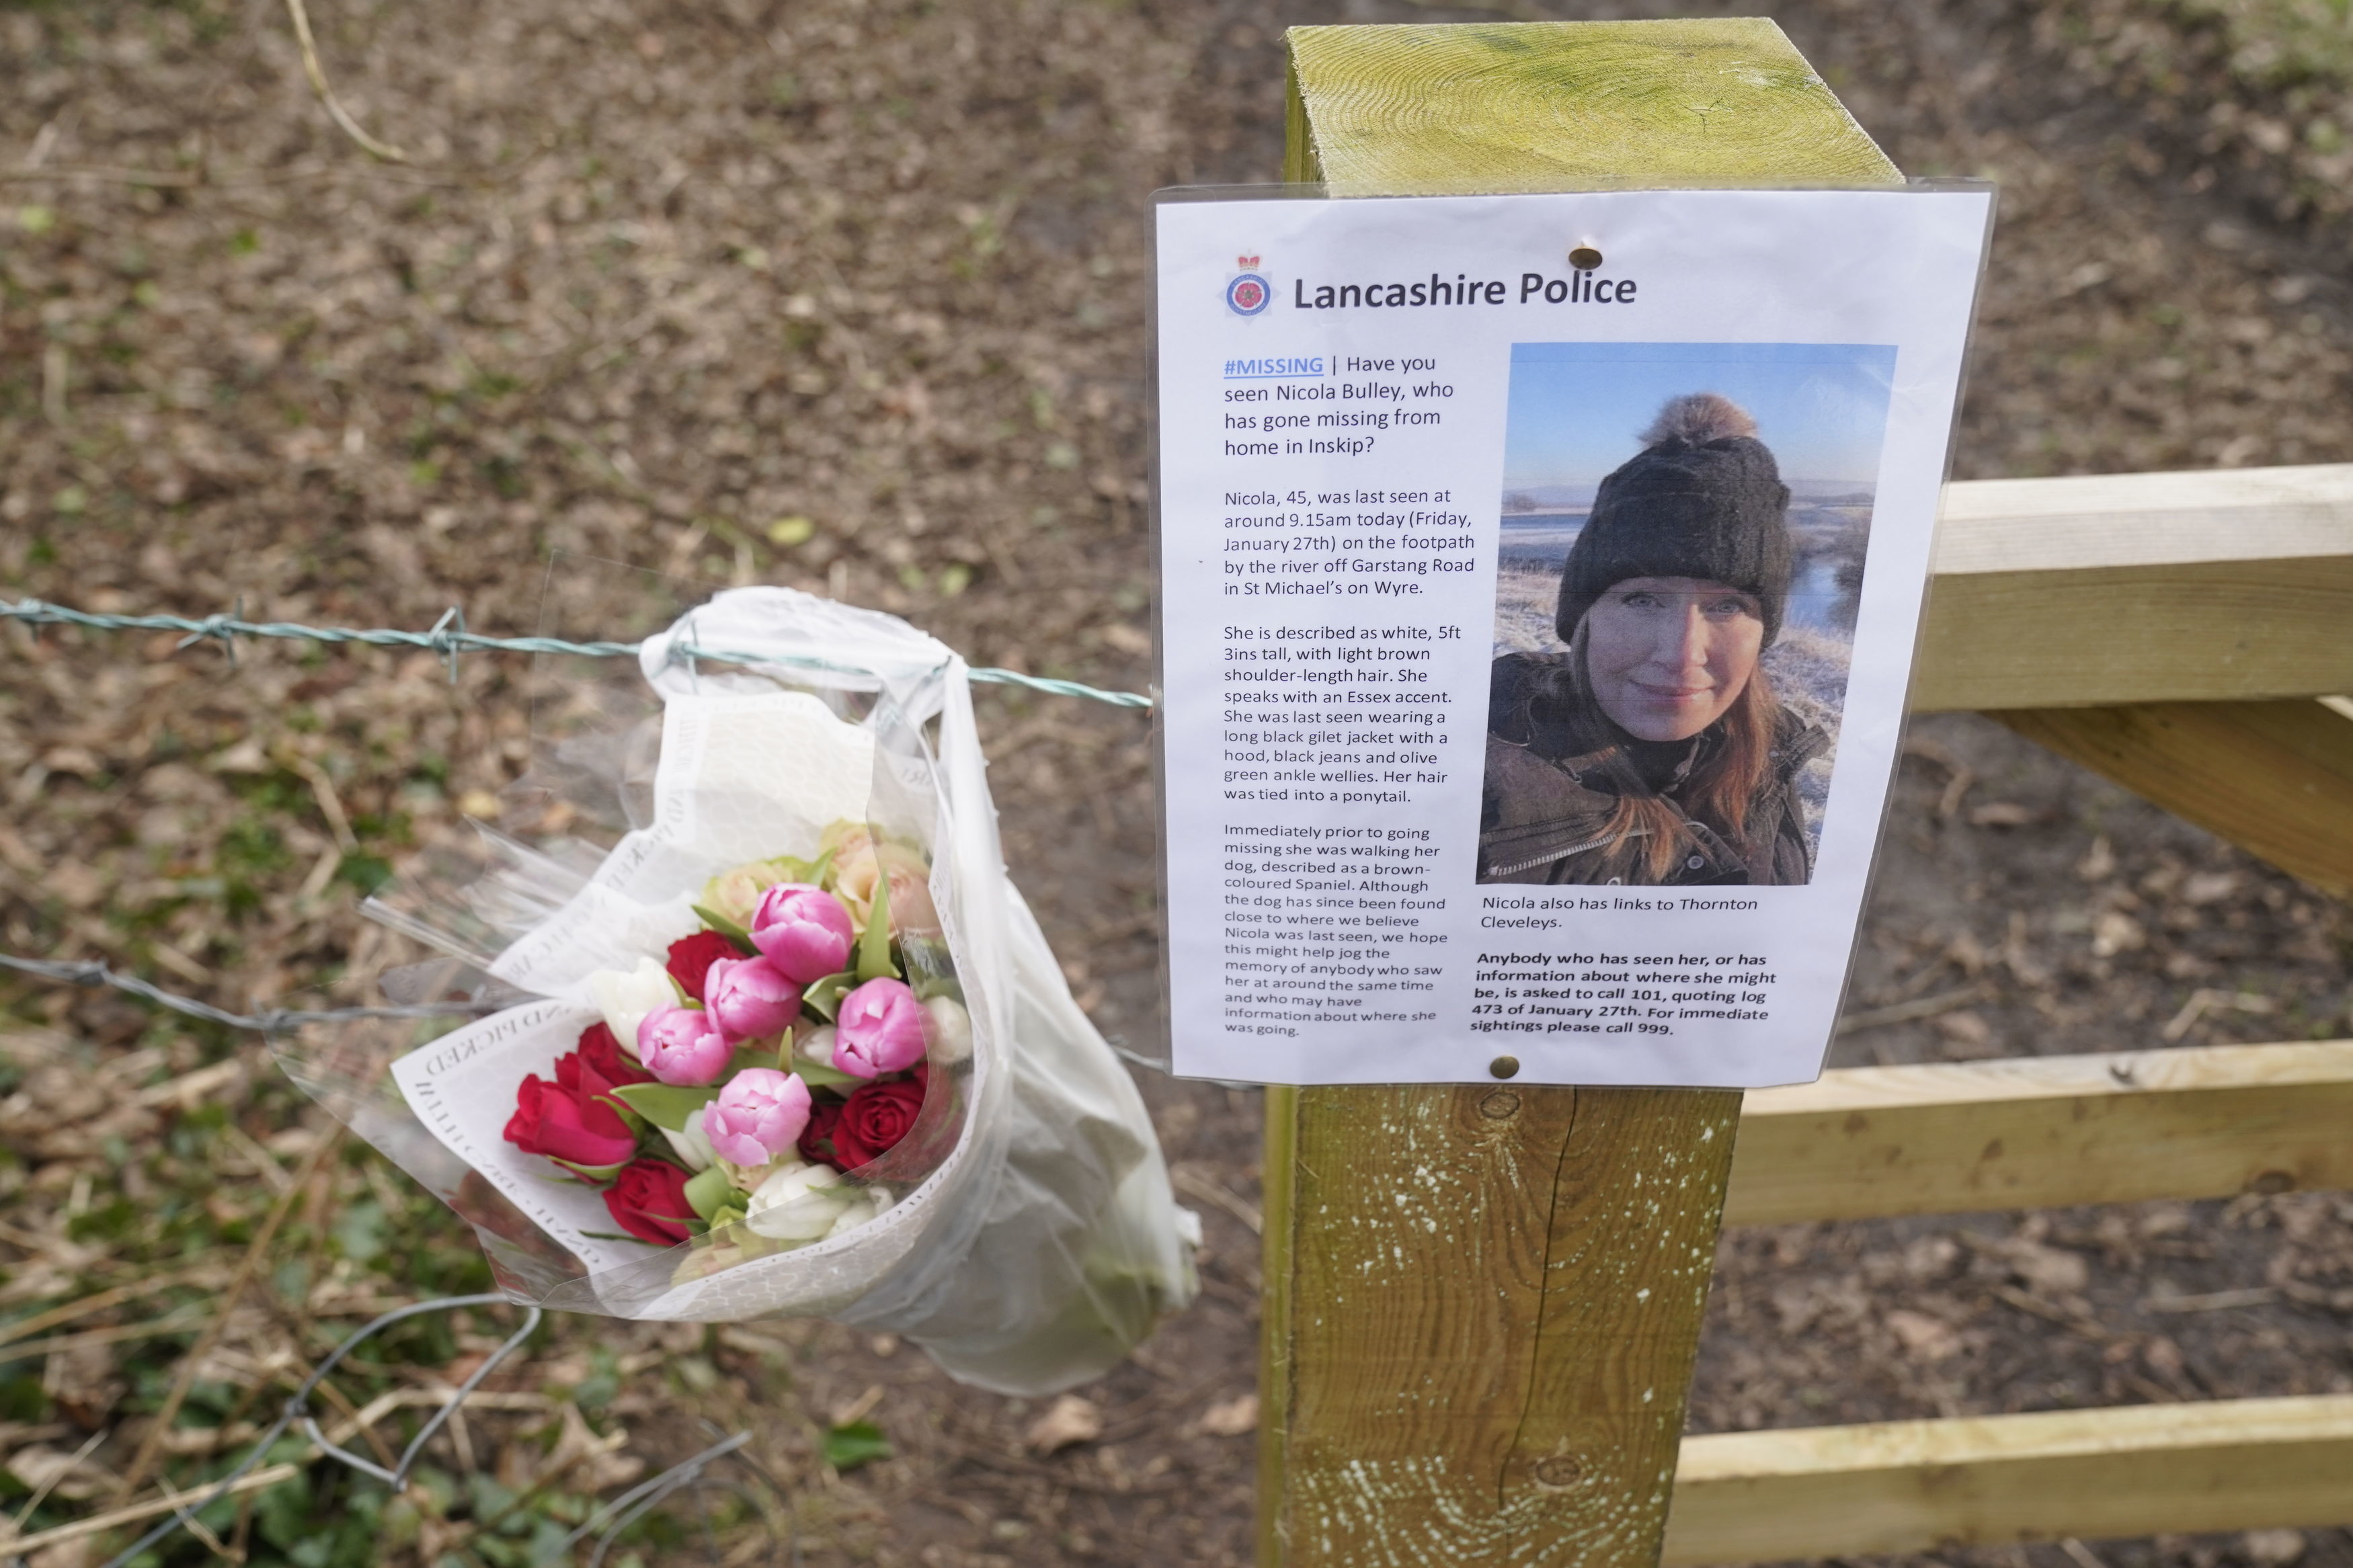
pixel 769 1053
pixel 788 1043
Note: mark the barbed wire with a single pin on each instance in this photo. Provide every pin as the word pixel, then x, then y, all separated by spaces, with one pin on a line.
pixel 89 972
pixel 449 638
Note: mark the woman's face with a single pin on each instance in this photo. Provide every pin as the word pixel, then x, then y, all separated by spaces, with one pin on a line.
pixel 1667 655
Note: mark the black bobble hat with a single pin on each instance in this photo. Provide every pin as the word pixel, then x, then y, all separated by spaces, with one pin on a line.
pixel 1701 499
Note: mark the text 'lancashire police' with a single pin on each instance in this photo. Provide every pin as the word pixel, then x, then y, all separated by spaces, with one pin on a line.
pixel 1579 288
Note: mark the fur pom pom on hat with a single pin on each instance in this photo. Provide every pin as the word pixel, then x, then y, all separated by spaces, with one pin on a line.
pixel 1701 499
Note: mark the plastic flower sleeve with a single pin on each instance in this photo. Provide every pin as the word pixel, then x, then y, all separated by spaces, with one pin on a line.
pixel 1022 1228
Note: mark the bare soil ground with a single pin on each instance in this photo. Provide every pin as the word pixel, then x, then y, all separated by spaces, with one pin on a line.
pixel 849 294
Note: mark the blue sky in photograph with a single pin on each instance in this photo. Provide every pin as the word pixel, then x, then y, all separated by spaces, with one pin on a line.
pixel 1576 408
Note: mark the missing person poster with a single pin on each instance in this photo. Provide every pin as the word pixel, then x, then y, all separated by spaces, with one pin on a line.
pixel 1540 577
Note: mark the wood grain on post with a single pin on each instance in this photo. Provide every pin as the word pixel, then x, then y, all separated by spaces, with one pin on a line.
pixel 1481 1302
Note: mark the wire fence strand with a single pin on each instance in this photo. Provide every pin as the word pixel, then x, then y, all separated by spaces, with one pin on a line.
pixel 89 972
pixel 449 638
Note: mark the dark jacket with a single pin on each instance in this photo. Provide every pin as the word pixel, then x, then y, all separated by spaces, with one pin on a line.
pixel 1543 814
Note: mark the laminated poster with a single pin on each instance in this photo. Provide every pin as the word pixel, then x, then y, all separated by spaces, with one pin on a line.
pixel 1539 582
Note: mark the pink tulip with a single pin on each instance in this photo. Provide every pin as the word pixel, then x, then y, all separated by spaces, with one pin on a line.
pixel 750 997
pixel 803 931
pixel 682 1046
pixel 879 1029
pixel 757 1116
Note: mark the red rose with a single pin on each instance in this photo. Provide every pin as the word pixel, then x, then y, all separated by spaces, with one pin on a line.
pixel 875 1118
pixel 691 958
pixel 648 1199
pixel 602 1052
pixel 572 1119
pixel 816 1139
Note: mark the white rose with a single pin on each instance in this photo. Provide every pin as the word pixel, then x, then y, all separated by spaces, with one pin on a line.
pixel 855 1213
pixel 818 1046
pixel 797 1203
pixel 626 999
pixel 951 1030
pixel 691 1145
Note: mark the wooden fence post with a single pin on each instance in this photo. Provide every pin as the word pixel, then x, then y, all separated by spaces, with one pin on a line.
pixel 1481 1302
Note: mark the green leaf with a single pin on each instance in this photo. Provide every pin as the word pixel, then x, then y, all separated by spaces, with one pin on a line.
pixel 603 1381
pixel 359 1230
pixel 22 1399
pixel 622 1109
pixel 667 1105
pixel 709 1191
pixel 859 1443
pixel 820 872
pixel 723 1218
pixel 752 1057
pixel 725 927
pixel 823 995
pixel 874 941
pixel 823 1075
pixel 595 1175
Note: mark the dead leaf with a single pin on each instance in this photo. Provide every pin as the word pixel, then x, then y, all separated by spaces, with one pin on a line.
pixel 2208 887
pixel 1232 1417
pixel 2100 863
pixel 2001 814
pixel 1070 1421
pixel 2114 931
pixel 1967 1028
pixel 2273 1548
pixel 860 1408
pixel 1125 637
pixel 245 757
pixel 2048 1270
pixel 80 1381
pixel 1931 1258
pixel 79 886
pixel 59 1473
pixel 1924 1338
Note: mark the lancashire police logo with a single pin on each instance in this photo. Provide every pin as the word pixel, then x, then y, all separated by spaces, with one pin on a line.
pixel 1247 293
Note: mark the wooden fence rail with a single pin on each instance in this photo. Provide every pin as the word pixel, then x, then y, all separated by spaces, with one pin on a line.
pixel 2215 586
pixel 1916 1486
pixel 2208 1121
pixel 2176 632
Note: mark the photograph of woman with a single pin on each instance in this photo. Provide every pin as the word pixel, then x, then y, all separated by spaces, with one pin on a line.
pixel 1649 744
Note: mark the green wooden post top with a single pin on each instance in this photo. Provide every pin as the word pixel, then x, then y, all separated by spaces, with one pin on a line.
pixel 1572 106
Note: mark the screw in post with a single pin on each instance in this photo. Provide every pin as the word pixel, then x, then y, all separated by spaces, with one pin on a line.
pixel 1504 1066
